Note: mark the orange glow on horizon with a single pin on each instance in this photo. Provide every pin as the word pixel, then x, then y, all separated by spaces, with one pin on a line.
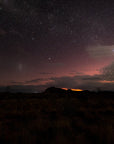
pixel 76 89
pixel 65 88
pixel 72 89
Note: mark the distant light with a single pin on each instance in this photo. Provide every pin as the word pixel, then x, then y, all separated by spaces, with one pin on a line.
pixel 72 89
pixel 76 89
pixel 65 88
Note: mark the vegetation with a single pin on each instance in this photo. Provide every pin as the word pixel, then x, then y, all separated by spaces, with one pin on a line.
pixel 57 116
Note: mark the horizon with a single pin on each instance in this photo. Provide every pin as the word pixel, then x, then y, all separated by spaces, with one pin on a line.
pixel 30 91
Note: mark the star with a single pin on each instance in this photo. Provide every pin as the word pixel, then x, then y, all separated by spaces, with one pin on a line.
pixel 33 38
pixel 49 58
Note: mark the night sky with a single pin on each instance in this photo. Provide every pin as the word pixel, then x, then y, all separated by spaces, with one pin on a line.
pixel 67 44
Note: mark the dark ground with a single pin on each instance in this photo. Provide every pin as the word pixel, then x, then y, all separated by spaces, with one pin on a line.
pixel 57 117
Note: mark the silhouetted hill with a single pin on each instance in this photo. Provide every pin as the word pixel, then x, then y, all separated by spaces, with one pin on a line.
pixel 54 90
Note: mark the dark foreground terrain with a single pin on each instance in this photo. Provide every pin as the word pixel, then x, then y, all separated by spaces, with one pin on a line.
pixel 57 117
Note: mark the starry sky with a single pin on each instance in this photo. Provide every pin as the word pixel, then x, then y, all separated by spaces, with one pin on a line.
pixel 58 43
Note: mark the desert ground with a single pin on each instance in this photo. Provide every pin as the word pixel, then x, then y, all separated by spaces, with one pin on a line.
pixel 57 117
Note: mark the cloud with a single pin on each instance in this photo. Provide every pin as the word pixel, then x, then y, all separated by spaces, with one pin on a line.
pixel 83 82
pixel 46 73
pixel 55 64
pixel 105 81
pixel 108 72
pixel 16 83
pixel 65 81
pixel 100 51
pixel 33 81
pixel 92 78
pixel 76 73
